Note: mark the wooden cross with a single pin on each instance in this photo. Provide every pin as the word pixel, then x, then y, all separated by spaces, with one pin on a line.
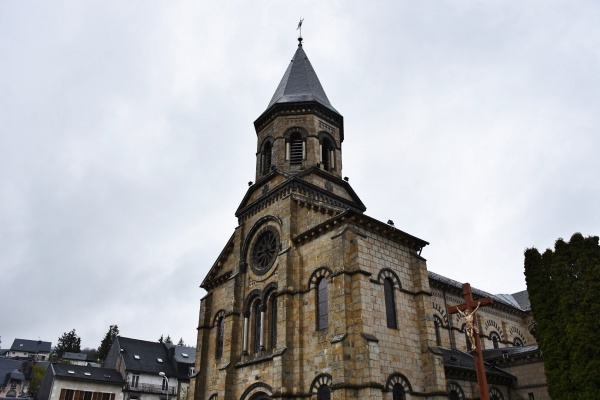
pixel 468 308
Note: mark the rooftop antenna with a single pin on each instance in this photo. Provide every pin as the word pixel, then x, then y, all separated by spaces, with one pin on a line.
pixel 299 28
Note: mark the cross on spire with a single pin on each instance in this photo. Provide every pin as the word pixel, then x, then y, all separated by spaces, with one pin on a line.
pixel 299 28
pixel 468 310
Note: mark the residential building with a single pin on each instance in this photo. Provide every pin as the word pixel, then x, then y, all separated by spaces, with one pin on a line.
pixel 30 349
pixel 14 377
pixel 75 358
pixel 151 369
pixel 78 382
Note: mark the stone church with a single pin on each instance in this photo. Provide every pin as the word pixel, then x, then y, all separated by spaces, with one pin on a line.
pixel 312 299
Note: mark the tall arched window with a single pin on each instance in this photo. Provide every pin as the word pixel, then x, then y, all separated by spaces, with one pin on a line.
pixel 390 303
pixel 273 321
pixel 297 149
pixel 324 393
pixel 322 304
pixel 220 337
pixel 267 157
pixel 398 392
pixel 438 330
pixel 257 325
pixel 495 339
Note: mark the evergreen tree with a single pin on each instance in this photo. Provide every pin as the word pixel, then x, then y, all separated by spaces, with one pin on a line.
pixel 161 339
pixel 181 342
pixel 68 342
pixel 168 340
pixel 107 342
pixel 564 291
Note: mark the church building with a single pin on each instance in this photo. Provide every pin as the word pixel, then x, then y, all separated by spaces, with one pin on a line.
pixel 312 299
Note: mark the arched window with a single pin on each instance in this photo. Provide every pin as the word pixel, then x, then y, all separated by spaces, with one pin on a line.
pixel 518 342
pixel 437 321
pixel 220 337
pixel 495 394
pixel 267 157
pixel 257 326
pixel 327 154
pixel 398 392
pixel 296 149
pixel 495 339
pixel 324 393
pixel 273 321
pixel 322 304
pixel 390 303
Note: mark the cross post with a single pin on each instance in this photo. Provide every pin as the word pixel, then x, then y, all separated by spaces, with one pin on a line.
pixel 468 308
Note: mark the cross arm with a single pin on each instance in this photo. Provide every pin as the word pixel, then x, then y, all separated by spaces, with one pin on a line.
pixel 470 306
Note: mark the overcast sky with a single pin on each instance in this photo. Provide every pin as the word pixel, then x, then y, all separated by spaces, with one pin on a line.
pixel 127 141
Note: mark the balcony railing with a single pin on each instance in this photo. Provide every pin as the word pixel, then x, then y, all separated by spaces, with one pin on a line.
pixel 150 388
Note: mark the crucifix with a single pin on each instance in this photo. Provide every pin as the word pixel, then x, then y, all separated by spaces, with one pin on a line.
pixel 467 310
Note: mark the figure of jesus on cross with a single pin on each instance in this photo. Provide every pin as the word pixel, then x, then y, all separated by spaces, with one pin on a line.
pixel 470 327
pixel 468 310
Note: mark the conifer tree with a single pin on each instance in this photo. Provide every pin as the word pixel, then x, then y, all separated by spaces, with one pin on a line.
pixel 68 342
pixel 107 342
pixel 564 291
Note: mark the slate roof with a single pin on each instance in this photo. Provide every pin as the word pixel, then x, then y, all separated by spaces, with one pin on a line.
pixel 7 367
pixel 460 360
pixel 179 351
pixel 300 84
pixel 505 299
pixel 523 299
pixel 74 356
pixel 147 354
pixel 31 346
pixel 515 351
pixel 86 373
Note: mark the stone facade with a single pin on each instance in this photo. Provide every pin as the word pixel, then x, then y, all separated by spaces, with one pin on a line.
pixel 311 298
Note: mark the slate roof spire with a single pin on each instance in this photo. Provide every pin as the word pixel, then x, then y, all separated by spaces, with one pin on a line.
pixel 300 83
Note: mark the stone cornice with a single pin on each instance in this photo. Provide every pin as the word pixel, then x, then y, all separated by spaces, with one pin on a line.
pixel 363 222
pixel 300 108
pixel 294 184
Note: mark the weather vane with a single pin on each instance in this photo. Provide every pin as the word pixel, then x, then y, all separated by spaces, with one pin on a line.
pixel 300 29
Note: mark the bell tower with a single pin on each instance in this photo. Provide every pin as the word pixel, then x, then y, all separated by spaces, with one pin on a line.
pixel 300 129
pixel 295 300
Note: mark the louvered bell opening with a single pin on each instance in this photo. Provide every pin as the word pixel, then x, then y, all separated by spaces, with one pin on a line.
pixel 267 158
pixel 325 156
pixel 296 151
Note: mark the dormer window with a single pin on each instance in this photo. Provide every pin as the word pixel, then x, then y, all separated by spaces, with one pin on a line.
pixel 136 356
pixel 159 360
